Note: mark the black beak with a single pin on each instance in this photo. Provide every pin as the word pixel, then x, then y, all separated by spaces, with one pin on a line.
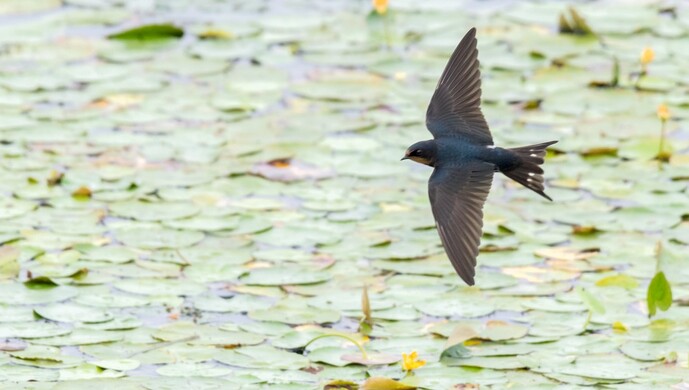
pixel 404 158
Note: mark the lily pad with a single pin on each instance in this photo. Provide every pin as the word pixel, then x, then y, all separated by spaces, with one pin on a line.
pixel 262 357
pixel 278 276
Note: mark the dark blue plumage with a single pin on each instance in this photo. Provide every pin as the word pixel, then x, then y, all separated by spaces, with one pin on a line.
pixel 464 158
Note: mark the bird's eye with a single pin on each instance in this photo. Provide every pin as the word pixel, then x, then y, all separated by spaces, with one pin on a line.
pixel 416 152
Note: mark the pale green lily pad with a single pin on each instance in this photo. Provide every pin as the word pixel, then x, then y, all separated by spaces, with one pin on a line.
pixel 16 314
pixel 552 305
pixel 118 323
pixel 506 331
pixel 235 304
pixel 295 315
pixel 88 371
pixel 160 287
pixel 464 308
pixel 73 313
pixel 496 363
pixel 43 356
pixel 11 208
pixel 117 364
pixel 80 337
pixel 282 255
pixel 193 370
pixel 262 357
pixel 598 372
pixel 32 330
pixel 112 254
pixel 493 349
pixel 278 276
pixel 158 238
pixel 112 300
pixel 154 211
pixel 329 355
pixel 13 293
pixel 27 374
pixel 646 351
pixel 201 223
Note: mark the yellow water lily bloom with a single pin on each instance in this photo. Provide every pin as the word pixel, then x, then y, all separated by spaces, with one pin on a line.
pixel 381 6
pixel 663 113
pixel 647 56
pixel 619 327
pixel 411 362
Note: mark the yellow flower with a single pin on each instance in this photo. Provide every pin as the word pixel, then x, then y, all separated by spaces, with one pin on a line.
pixel 381 6
pixel 619 327
pixel 647 56
pixel 410 362
pixel 663 113
pixel 215 33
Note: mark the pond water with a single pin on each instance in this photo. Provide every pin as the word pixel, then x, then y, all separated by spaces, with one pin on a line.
pixel 196 190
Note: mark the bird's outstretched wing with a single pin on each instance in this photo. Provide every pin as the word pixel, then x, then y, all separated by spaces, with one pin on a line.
pixel 454 110
pixel 457 196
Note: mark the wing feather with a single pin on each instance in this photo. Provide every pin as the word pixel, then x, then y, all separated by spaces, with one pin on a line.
pixel 457 196
pixel 454 110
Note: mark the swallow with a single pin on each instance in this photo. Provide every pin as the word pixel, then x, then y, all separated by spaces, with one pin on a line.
pixel 464 158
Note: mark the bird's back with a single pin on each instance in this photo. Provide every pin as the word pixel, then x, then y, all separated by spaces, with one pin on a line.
pixel 457 150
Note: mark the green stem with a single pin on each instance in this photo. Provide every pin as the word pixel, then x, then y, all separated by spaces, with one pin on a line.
pixel 588 320
pixel 351 340
pixel 386 29
pixel 661 155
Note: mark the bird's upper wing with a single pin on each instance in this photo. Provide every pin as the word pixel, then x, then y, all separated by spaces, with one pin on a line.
pixel 457 196
pixel 455 110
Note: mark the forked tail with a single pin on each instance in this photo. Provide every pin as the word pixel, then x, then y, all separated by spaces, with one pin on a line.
pixel 528 171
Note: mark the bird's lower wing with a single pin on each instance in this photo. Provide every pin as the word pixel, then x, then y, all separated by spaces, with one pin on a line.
pixel 457 196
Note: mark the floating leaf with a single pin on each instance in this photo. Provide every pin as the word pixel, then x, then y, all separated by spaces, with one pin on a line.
pixel 371 359
pixel 9 267
pixel 591 301
pixel 659 294
pixel 73 313
pixel 499 330
pixel 379 383
pixel 278 276
pixel 262 357
pixel 149 32
pixel 620 280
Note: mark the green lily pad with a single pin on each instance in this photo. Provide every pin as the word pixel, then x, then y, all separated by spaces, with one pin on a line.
pixel 163 211
pixel 158 238
pixel 73 313
pixel 279 276
pixel 42 356
pixel 466 309
pixel 13 293
pixel 80 337
pixel 495 363
pixel 160 287
pixel 31 330
pixel 262 357
pixel 149 32
pixel 86 372
pixel 235 304
pixel 117 364
pixel 193 370
pixel 295 315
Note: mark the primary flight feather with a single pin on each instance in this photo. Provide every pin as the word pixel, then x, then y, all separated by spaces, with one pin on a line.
pixel 464 158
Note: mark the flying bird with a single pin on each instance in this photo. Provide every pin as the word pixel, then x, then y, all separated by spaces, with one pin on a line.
pixel 464 158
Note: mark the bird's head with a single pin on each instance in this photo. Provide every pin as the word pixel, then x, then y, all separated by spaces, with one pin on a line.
pixel 422 152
